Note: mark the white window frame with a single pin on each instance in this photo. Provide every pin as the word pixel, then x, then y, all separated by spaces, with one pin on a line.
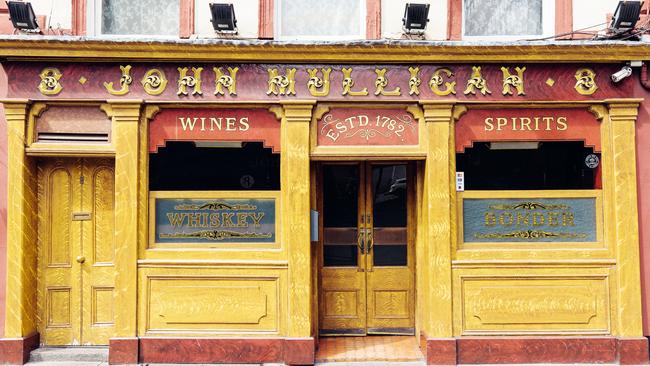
pixel 363 16
pixel 94 23
pixel 548 26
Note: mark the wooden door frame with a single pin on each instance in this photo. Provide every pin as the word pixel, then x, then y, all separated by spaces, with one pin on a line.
pixel 414 185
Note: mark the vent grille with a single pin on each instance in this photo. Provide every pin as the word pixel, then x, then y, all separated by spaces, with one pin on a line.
pixel 72 137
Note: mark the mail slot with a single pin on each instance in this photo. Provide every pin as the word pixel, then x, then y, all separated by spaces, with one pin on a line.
pixel 80 216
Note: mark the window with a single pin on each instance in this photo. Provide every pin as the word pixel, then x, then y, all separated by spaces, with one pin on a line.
pixel 514 19
pixel 127 17
pixel 317 19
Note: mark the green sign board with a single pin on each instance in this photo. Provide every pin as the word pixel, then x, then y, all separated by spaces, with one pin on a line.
pixel 195 220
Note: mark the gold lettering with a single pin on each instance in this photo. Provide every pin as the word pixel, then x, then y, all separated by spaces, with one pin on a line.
pixel 316 82
pixel 506 219
pixel 222 80
pixel 523 219
pixel 194 220
pixel 257 218
pixel 281 84
pixel 414 81
pixel 187 123
pixel 436 82
pixel 193 81
pixel 488 124
pixel 476 82
pixel 214 220
pixel 125 81
pixel 490 219
pixel 241 219
pixel 553 218
pixel 516 81
pixel 244 124
pixel 381 82
pixel 176 219
pixel 538 219
pixel 348 83
pixel 154 82
pixel 561 124
pixel 50 84
pixel 568 219
pixel 226 219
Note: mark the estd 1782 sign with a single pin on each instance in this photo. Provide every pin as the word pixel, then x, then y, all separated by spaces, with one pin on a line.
pixel 355 126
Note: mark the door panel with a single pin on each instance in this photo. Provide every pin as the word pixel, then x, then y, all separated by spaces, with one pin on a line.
pixel 58 239
pixel 99 249
pixel 367 281
pixel 75 251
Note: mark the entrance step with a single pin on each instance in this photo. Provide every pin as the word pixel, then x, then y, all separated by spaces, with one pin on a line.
pixel 371 350
pixel 69 354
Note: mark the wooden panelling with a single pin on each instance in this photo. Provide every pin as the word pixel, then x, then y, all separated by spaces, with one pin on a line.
pixel 542 301
pixel 211 302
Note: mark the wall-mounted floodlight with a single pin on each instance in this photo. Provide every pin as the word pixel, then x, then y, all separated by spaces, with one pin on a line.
pixel 625 16
pixel 223 18
pixel 22 16
pixel 415 18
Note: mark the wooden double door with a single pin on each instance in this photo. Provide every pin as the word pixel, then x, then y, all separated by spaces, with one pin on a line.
pixel 76 251
pixel 366 259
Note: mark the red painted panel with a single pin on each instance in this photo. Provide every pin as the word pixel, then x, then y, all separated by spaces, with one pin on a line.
pixel 541 82
pixel 211 350
pixel 356 126
pixel 182 124
pixel 530 124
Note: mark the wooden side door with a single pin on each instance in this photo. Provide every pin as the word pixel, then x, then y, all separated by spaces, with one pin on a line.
pixel 59 242
pixel 342 296
pixel 76 250
pixel 390 238
pixel 98 251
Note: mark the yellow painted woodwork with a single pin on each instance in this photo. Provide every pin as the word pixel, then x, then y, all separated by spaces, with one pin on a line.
pixel 370 298
pixel 20 317
pixel 304 53
pixel 76 257
pixel 493 300
pixel 436 227
pixel 125 115
pixel 294 199
pixel 182 300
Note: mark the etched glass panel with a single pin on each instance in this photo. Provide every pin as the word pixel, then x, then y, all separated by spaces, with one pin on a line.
pixel 502 18
pixel 317 18
pixel 142 17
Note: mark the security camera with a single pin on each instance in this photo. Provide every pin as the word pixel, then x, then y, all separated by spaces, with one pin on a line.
pixel 621 74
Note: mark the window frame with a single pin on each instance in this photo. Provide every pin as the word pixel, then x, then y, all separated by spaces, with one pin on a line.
pixel 277 28
pixel 94 26
pixel 548 25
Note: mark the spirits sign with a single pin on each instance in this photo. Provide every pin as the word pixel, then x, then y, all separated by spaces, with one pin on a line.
pixel 530 220
pixel 215 220
pixel 355 126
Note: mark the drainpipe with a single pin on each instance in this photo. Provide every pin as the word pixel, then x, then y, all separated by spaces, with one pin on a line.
pixel 644 76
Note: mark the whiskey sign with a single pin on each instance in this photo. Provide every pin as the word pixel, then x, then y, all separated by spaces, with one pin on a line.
pixel 355 126
pixel 215 220
pixel 529 220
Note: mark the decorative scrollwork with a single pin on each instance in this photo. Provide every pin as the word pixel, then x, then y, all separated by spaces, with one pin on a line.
pixel 414 81
pixel 215 206
pixel 476 82
pixel 529 206
pixel 216 235
pixel 531 234
pixel 154 82
pixel 585 81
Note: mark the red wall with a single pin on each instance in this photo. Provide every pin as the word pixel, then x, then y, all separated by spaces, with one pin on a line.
pixel 643 192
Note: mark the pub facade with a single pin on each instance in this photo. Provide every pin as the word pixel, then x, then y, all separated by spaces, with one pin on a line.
pixel 220 206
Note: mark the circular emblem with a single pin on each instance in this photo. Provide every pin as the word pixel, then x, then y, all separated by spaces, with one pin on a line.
pixel 246 181
pixel 592 161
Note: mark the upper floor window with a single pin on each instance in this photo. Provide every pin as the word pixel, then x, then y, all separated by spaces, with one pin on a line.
pixel 128 17
pixel 514 19
pixel 317 19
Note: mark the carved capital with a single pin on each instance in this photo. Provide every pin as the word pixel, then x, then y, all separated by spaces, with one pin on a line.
pixel 438 111
pixel 623 109
pixel 122 110
pixel 298 110
pixel 15 109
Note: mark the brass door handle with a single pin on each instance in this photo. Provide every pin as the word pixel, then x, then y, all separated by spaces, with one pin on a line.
pixel 361 242
pixel 369 241
pixel 81 259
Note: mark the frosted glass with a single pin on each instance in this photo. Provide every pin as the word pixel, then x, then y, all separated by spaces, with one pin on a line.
pixel 502 17
pixel 318 18
pixel 149 17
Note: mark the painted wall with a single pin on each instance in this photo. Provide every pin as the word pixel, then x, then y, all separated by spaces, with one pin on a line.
pixel 587 13
pixel 3 201
pixel 58 13
pixel 246 12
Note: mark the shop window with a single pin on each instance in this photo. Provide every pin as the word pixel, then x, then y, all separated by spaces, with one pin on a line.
pixel 316 19
pixel 485 19
pixel 214 166
pixel 142 17
pixel 529 166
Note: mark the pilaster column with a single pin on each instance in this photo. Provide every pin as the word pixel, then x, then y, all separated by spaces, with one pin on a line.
pixel 622 187
pixel 22 213
pixel 125 115
pixel 295 198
